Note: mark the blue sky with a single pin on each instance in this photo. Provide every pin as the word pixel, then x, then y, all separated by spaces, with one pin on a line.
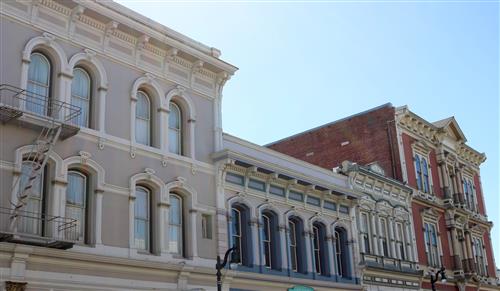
pixel 306 64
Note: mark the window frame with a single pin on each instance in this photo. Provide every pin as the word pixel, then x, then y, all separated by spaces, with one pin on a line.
pixel 292 245
pixel 83 237
pixel 82 98
pixel 147 220
pixel 366 233
pixel 179 132
pixel 148 120
pixel 48 86
pixel 180 225
pixel 432 252
pixel 423 172
pixel 267 240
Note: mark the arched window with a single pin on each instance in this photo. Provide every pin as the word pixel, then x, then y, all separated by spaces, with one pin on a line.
pixel 296 245
pixel 76 205
pixel 33 211
pixel 320 249
pixel 38 86
pixel 143 119
pixel 175 129
pixel 80 96
pixel 418 173
pixel 142 218
pixel 241 235
pixel 342 252
pixel 270 240
pixel 176 233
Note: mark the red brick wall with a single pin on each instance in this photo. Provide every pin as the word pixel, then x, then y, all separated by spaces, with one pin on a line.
pixel 410 164
pixel 489 255
pixel 435 175
pixel 368 137
pixel 439 286
pixel 480 199
pixel 419 233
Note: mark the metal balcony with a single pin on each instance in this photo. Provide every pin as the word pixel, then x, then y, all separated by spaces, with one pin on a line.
pixel 37 229
pixel 35 111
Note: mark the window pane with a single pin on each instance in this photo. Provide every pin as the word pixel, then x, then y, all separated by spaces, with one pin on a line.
pixel 174 117
pixel 141 203
pixel 141 234
pixel 175 239
pixel 175 210
pixel 174 141
pixel 38 83
pixel 236 222
pixel 142 131
pixel 142 106
pixel 76 190
pixel 80 95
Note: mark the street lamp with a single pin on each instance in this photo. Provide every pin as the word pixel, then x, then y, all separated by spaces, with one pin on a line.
pixel 220 265
pixel 434 278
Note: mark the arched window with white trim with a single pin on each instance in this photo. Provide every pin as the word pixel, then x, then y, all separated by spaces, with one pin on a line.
pixel 176 233
pixel 241 235
pixel 81 88
pixel 342 257
pixel 142 218
pixel 38 86
pixel 143 119
pixel 320 250
pixel 270 240
pixel 175 129
pixel 33 210
pixel 296 245
pixel 76 205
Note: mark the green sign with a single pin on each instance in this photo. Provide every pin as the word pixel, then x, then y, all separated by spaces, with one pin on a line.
pixel 300 288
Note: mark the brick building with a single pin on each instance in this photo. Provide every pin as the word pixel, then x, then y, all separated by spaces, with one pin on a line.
pixel 432 158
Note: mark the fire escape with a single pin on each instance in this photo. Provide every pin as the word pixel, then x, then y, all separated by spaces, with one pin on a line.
pixel 20 222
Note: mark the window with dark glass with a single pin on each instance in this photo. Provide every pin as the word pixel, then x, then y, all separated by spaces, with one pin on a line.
pixel 320 249
pixel 296 245
pixel 257 185
pixel 431 244
pixel 400 240
pixel 341 252
pixel 266 240
pixel 241 235
pixel 422 173
pixel 383 236
pixel 365 232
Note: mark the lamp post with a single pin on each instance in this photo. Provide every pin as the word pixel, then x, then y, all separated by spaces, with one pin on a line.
pixel 220 265
pixel 434 278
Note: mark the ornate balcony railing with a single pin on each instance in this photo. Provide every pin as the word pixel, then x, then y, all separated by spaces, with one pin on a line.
pixel 39 229
pixel 389 263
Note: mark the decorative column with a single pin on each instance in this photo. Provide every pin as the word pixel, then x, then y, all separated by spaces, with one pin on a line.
pixel 454 246
pixel 191 142
pixel 468 245
pixel 445 184
pixel 284 246
pixel 163 112
pixel 163 209
pixel 101 122
pixel 254 227
pixel 194 233
pixel 98 216
pixel 374 231
pixel 309 256
pixel 458 180
pixel 378 231
pixel 332 258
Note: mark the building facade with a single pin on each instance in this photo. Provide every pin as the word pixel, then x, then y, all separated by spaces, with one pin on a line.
pixel 450 222
pixel 386 237
pixel 108 124
pixel 293 223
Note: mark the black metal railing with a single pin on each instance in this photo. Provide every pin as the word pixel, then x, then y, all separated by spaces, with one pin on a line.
pixel 32 226
pixel 36 104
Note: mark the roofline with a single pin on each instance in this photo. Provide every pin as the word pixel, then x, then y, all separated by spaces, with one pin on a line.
pixel 166 32
pixel 389 104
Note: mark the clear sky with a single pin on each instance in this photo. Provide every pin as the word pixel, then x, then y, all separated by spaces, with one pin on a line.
pixel 305 64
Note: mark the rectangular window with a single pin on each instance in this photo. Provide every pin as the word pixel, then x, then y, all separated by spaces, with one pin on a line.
pixel 293 245
pixel 142 217
pixel 422 173
pixel 365 232
pixel 235 179
pixel 431 244
pixel 276 190
pixel 330 205
pixel 297 196
pixel 478 252
pixel 344 209
pixel 206 226
pixel 383 236
pixel 257 185
pixel 313 200
pixel 400 240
